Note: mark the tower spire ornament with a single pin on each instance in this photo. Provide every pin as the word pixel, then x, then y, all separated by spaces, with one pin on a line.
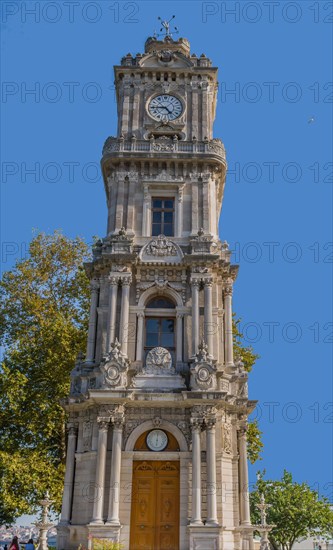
pixel 165 29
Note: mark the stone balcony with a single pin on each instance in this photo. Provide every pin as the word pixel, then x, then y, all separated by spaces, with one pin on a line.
pixel 168 147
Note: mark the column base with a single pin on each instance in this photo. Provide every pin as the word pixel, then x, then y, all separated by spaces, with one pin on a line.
pixel 96 522
pixel 112 523
pixel 105 531
pixel 205 537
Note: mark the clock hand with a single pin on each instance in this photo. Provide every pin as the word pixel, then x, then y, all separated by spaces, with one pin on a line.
pixel 164 107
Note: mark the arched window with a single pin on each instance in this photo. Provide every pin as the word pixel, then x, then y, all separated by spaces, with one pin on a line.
pixel 160 302
pixel 160 324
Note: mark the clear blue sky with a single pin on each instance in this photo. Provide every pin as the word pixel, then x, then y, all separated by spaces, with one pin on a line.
pixel 276 214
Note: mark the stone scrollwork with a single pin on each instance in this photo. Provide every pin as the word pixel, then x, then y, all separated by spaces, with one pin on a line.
pixel 226 439
pixel 161 246
pixel 203 372
pixel 114 368
pixel 159 361
pixel 163 144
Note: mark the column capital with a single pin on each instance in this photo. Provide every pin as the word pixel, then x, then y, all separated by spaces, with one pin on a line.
pixel 118 421
pixel 113 280
pixel 140 314
pixel 210 422
pixel 196 423
pixel 126 281
pixel 242 431
pixel 195 282
pixel 72 430
pixel 94 285
pixel 228 290
pixel 208 282
pixel 103 423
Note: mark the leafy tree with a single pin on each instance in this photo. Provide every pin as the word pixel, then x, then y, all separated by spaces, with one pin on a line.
pixel 249 358
pixel 296 511
pixel 43 324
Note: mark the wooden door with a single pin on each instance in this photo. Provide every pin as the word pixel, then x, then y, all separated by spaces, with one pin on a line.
pixel 155 506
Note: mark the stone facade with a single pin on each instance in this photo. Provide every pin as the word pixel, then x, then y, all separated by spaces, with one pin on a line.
pixel 187 384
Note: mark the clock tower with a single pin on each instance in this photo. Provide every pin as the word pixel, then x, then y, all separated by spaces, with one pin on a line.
pixel 158 406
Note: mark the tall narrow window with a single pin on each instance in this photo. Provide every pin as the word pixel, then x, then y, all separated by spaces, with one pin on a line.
pixel 162 217
pixel 160 332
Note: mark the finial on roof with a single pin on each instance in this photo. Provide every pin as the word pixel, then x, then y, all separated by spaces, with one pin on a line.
pixel 165 29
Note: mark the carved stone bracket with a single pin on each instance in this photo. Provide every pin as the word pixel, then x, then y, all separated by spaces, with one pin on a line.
pixel 114 368
pixel 203 372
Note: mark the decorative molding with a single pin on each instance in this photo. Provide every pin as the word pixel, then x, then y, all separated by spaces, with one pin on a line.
pixel 114 367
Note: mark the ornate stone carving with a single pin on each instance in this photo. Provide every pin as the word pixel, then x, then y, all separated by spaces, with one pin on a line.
pixel 163 144
pixel 166 56
pixel 185 429
pixel 226 438
pixel 161 246
pixel 159 361
pixel 216 146
pixel 111 144
pixel 86 434
pixel 228 290
pixel 157 422
pixel 120 268
pixel 203 372
pixel 114 368
pixel 130 425
pixel 103 424
pixel 224 385
pixel 242 391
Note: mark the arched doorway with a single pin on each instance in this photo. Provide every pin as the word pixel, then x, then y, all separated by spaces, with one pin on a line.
pixel 155 493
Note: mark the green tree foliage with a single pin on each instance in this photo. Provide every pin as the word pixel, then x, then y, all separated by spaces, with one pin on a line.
pixel 296 511
pixel 43 325
pixel 249 357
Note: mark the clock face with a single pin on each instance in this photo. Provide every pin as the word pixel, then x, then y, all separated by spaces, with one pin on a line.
pixel 165 107
pixel 157 440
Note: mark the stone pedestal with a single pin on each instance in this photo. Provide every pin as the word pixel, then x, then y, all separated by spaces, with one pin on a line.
pixel 109 532
pixel 205 537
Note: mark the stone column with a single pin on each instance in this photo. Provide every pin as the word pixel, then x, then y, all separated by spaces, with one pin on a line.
pixel 229 352
pixel 111 325
pixel 209 327
pixel 125 114
pixel 146 229
pixel 131 204
pixel 124 314
pixel 90 355
pixel 113 514
pixel 119 214
pixel 211 472
pixel 103 427
pixel 196 471
pixel 179 213
pixel 195 315
pixel 194 117
pixel 179 338
pixel 244 500
pixel 205 193
pixel 195 205
pixel 69 475
pixel 139 335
